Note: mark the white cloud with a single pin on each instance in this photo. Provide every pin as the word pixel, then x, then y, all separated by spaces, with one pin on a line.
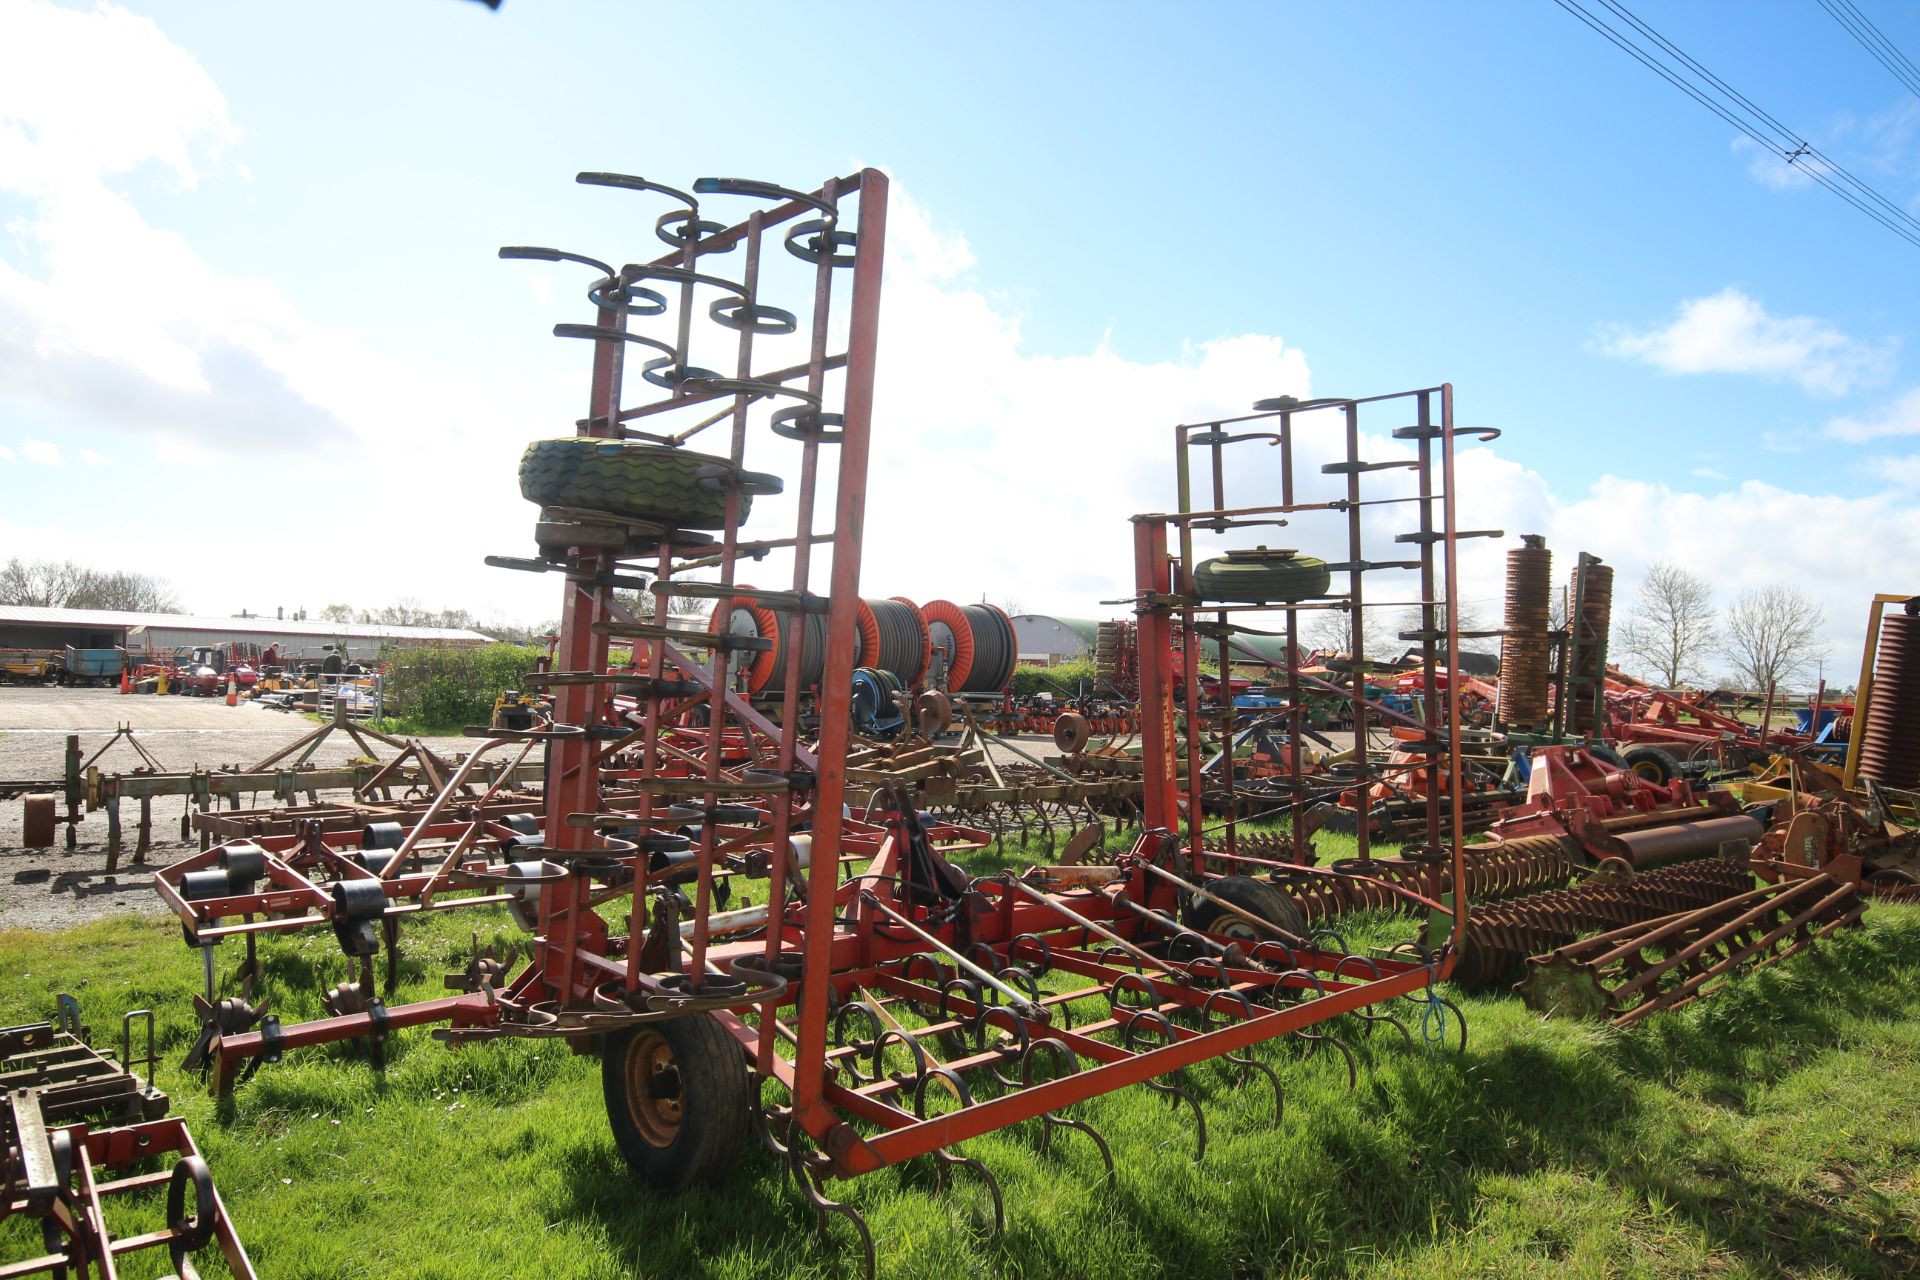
pixel 85 96
pixel 181 454
pixel 44 452
pixel 1900 471
pixel 997 470
pixel 1733 537
pixel 1767 168
pixel 94 458
pixel 140 98
pixel 1730 332
pixel 1899 418
pixel 6 454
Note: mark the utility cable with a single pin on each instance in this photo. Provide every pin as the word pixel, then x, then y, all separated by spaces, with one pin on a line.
pixel 1875 42
pixel 1716 95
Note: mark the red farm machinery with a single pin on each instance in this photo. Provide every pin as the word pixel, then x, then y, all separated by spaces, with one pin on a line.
pixel 884 1005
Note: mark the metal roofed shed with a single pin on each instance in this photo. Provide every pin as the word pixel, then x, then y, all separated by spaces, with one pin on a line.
pixel 34 627
pixel 1040 638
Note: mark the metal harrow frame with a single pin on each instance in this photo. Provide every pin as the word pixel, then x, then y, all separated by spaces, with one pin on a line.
pixel 874 996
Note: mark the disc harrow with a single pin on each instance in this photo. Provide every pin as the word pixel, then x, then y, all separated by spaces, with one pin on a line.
pixel 1501 936
pixel 1626 974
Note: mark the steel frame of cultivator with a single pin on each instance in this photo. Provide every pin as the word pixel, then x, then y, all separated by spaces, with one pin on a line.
pixel 840 993
pixel 1165 551
pixel 74 1123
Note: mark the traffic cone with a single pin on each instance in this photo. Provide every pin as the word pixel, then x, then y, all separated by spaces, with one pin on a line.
pixel 233 695
pixel 126 685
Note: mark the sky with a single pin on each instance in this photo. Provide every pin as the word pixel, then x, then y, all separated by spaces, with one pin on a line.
pixel 255 338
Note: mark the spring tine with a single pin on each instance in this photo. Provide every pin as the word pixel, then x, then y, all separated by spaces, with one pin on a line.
pixel 1177 1095
pixel 946 1160
pixel 1248 1065
pixel 1396 1024
pixel 1054 1121
pixel 1315 1039
pixel 813 1187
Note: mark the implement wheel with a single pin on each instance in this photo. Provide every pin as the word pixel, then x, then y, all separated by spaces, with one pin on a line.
pixel 678 1099
pixel 1655 764
pixel 1256 898
pixel 1261 576
pixel 673 487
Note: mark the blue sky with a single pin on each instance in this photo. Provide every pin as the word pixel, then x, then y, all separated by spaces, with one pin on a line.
pixel 1384 195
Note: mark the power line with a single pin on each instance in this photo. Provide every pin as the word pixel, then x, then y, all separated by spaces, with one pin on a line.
pixel 1672 64
pixel 1788 145
pixel 1875 42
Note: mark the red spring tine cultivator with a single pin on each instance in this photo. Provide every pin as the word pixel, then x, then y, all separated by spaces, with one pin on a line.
pixel 853 1019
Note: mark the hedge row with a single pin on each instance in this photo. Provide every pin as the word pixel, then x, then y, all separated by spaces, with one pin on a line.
pixel 445 687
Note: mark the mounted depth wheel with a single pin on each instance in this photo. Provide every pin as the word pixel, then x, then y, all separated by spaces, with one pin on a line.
pixel 1255 897
pixel 643 481
pixel 1261 576
pixel 678 1099
pixel 1655 764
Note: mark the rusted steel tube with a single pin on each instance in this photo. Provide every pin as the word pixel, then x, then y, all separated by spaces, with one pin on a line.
pixel 1657 846
pixel 1525 651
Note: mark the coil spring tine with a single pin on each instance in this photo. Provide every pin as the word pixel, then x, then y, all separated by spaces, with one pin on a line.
pixel 813 1187
pixel 946 1161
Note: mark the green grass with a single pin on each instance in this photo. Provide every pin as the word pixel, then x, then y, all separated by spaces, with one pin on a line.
pixel 1771 1131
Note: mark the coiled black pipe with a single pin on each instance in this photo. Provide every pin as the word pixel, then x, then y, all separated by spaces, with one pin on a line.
pixel 994 650
pixel 903 639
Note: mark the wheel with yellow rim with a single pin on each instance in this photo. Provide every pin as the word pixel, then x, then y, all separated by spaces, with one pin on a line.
pixel 678 1099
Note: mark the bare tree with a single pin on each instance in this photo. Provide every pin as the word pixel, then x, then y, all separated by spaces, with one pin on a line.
pixel 1337 629
pixel 1772 635
pixel 65 585
pixel 640 604
pixel 1670 629
pixel 1468 612
pixel 44 584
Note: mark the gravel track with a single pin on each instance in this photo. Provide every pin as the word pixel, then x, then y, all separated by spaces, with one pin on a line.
pixel 55 888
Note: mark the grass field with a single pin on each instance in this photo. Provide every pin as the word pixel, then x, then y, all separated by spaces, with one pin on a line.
pixel 1772 1131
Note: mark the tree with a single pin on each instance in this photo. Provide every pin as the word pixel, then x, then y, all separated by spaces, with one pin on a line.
pixel 337 613
pixel 1671 627
pixel 63 584
pixel 640 604
pixel 1335 629
pixel 1772 635
pixel 1469 614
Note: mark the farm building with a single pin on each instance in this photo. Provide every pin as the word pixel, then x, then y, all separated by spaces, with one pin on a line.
pixel 1046 640
pixel 28 627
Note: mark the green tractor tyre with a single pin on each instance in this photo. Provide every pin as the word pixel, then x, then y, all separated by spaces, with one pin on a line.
pixel 1260 576
pixel 651 482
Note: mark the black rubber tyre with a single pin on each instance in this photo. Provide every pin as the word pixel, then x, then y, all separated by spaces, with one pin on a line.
pixel 678 1099
pixel 1256 897
pixel 1655 764
pixel 1254 578
pixel 1605 754
pixel 642 481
